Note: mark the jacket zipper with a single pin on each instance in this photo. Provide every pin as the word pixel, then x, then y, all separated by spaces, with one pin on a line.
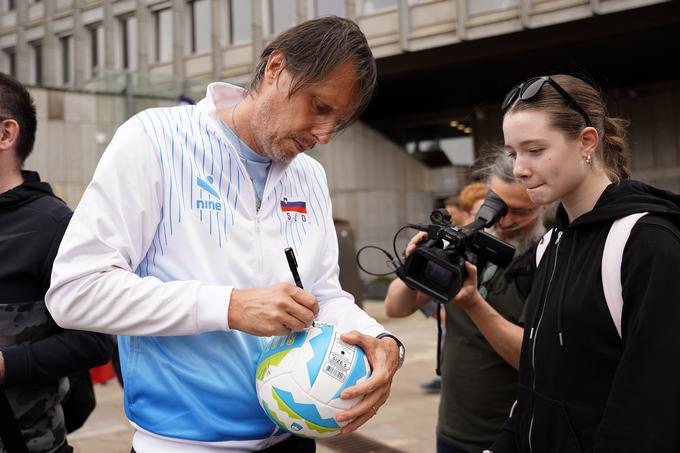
pixel 258 244
pixel 533 335
pixel 258 205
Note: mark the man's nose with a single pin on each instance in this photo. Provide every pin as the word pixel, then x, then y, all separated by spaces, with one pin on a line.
pixel 322 138
pixel 505 221
pixel 322 132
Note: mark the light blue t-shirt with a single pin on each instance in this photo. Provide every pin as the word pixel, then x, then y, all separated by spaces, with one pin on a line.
pixel 256 164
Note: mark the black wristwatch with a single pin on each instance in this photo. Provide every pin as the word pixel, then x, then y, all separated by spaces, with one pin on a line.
pixel 402 349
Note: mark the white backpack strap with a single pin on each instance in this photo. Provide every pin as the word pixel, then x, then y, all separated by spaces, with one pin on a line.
pixel 611 265
pixel 542 245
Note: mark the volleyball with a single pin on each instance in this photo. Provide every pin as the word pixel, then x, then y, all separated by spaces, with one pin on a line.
pixel 300 376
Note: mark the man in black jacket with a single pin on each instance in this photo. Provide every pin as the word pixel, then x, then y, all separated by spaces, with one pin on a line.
pixel 36 355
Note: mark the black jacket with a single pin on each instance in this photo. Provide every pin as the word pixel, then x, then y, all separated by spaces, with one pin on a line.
pixel 596 392
pixel 38 354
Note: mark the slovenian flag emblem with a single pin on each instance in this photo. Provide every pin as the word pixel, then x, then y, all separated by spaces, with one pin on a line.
pixel 291 205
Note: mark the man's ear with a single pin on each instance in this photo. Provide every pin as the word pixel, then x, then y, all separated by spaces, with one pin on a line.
pixel 9 134
pixel 275 64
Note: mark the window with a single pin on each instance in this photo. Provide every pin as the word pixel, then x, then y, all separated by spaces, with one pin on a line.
pixel 476 7
pixel 199 26
pixel 370 6
pixel 96 36
pixel 330 8
pixel 36 62
pixel 128 50
pixel 240 21
pixel 9 62
pixel 66 60
pixel 282 15
pixel 8 5
pixel 163 41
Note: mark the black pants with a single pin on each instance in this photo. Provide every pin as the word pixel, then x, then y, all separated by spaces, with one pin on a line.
pixel 292 445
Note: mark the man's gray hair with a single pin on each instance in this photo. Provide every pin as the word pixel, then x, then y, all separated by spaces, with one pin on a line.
pixel 495 162
pixel 315 48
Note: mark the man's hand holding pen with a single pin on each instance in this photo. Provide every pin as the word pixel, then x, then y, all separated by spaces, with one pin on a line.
pixel 271 310
pixel 282 308
pixel 382 354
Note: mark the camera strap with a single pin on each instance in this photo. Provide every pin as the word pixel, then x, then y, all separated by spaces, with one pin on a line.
pixel 483 278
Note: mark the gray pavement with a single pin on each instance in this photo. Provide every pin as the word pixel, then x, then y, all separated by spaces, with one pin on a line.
pixel 407 422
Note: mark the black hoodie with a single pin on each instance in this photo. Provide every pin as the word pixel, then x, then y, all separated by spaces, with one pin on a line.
pixel 38 354
pixel 582 388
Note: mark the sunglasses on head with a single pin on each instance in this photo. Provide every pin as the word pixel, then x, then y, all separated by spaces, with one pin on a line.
pixel 529 89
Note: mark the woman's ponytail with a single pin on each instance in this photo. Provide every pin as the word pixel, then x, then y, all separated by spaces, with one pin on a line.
pixel 615 148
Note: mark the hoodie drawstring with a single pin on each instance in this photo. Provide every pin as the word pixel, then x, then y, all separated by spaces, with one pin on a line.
pixel 537 315
pixel 560 301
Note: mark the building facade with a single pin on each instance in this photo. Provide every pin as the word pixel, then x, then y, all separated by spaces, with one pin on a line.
pixel 444 66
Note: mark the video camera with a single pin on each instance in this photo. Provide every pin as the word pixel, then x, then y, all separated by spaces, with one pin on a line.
pixel 437 266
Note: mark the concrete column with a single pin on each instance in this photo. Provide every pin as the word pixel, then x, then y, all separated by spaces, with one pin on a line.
pixel 219 12
pixel 79 50
pixel 302 12
pixel 109 36
pixel 461 17
pixel 50 45
pixel 524 8
pixel 258 32
pixel 595 5
pixel 180 12
pixel 21 53
pixel 404 25
pixel 144 35
pixel 351 9
pixel 311 9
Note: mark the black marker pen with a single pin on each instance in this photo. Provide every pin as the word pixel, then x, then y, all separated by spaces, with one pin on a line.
pixel 292 264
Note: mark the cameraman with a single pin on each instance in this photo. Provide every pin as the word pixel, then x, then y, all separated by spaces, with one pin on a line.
pixel 483 335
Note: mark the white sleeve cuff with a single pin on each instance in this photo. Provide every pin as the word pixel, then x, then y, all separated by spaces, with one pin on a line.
pixel 374 331
pixel 212 308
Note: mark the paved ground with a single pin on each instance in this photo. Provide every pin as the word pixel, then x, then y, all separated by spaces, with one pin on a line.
pixel 407 422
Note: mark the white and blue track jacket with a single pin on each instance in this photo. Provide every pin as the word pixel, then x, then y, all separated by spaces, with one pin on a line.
pixel 164 231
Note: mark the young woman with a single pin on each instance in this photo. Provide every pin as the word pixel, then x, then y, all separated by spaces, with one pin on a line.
pixel 583 387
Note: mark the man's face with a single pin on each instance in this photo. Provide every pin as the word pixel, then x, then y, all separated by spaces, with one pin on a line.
pixel 523 215
pixel 284 126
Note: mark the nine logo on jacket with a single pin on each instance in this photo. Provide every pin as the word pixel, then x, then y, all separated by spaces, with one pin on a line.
pixel 214 205
pixel 294 209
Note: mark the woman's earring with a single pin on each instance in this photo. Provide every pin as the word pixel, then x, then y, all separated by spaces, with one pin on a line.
pixel 589 159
